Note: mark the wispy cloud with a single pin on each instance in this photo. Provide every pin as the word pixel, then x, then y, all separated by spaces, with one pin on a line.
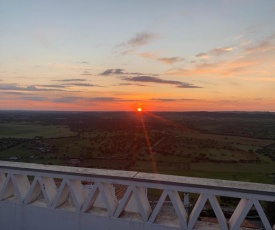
pixel 141 39
pixel 215 52
pixel 202 55
pixel 82 62
pixel 67 99
pixel 221 50
pixel 83 85
pixel 128 84
pixel 108 99
pixel 165 60
pixel 14 93
pixel 53 86
pixel 70 82
pixel 89 99
pixel 171 99
pixel 23 96
pixel 120 72
pixel 66 85
pixel 170 60
pixel 15 87
pixel 73 79
pixel 252 58
pixel 224 68
pixel 45 88
pixel 86 73
pixel 260 48
pixel 104 99
pixel 34 98
pixel 112 72
pixel 150 79
pixel 138 40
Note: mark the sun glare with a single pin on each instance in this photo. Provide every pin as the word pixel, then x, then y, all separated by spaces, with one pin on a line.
pixel 139 109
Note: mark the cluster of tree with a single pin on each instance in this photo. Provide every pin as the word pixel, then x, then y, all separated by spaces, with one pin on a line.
pixel 268 151
pixel 6 143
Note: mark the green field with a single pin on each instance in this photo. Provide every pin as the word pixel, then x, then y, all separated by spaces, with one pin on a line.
pixel 32 130
pixel 219 147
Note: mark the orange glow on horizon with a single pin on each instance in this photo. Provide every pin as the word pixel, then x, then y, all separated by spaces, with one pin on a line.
pixel 209 104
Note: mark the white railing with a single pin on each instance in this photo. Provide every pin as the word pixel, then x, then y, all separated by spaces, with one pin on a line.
pixel 91 192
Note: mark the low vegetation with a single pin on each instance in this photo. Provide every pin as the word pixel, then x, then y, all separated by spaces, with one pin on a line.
pixel 213 145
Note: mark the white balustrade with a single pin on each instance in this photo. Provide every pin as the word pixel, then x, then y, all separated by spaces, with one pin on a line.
pixel 81 194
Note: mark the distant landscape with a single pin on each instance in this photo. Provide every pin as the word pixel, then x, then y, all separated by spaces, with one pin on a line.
pixel 224 145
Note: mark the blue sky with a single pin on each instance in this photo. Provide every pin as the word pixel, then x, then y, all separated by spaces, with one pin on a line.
pixel 161 54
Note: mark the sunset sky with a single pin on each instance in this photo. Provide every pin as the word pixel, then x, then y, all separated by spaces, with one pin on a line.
pixel 116 55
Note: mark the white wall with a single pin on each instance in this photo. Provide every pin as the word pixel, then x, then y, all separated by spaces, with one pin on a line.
pixel 28 217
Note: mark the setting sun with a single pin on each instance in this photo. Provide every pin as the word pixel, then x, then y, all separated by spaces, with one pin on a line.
pixel 139 68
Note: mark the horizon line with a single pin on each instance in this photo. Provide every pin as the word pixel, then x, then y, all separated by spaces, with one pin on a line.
pixel 156 111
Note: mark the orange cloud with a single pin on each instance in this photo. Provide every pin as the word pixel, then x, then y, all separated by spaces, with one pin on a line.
pixel 260 48
pixel 218 69
pixel 202 55
pixel 221 50
pixel 165 60
pixel 252 63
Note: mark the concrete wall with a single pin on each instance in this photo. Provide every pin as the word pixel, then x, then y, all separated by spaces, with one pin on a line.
pixel 28 217
pixel 42 197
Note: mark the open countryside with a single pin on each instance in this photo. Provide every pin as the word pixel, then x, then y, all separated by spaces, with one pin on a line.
pixel 235 146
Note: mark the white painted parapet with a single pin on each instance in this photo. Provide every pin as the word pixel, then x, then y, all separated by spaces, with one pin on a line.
pixel 47 197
